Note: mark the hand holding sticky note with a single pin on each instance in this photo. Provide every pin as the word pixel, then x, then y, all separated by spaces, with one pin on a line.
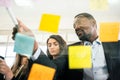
pixel 24 44
pixel 41 72
pixel 80 57
pixel 49 23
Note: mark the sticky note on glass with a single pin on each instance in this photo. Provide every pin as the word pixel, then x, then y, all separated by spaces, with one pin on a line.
pixel 49 23
pixel 5 3
pixel 41 72
pixel 99 4
pixel 79 57
pixel 109 31
pixel 23 44
pixel 119 28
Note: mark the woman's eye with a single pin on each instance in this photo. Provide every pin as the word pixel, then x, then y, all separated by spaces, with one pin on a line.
pixel 56 44
pixel 49 45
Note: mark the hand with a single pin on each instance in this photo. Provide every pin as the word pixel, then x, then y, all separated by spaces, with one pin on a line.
pixel 5 70
pixel 22 28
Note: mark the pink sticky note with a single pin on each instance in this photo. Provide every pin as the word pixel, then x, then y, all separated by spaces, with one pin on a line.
pixel 5 3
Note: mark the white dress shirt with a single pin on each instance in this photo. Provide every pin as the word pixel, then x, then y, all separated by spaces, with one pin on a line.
pixel 36 54
pixel 99 68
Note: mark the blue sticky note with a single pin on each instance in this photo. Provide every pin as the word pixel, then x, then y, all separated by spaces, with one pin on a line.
pixel 23 44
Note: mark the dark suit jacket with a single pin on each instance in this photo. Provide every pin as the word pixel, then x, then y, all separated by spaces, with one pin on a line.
pixel 42 59
pixel 58 64
pixel 112 56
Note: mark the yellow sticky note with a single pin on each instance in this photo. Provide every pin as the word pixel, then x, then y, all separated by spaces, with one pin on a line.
pixel 49 23
pixel 79 57
pixel 41 72
pixel 99 4
pixel 109 31
pixel 119 27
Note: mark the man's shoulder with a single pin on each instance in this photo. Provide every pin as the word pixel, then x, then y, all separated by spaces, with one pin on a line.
pixel 112 42
pixel 74 44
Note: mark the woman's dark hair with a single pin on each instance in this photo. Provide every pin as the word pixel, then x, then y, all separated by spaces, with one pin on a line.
pixel 61 42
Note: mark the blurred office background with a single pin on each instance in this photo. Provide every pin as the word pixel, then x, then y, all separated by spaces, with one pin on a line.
pixel 30 12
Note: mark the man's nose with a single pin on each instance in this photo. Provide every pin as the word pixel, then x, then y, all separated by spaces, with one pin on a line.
pixel 77 27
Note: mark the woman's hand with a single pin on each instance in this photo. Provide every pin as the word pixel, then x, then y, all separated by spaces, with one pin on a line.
pixel 5 70
pixel 22 28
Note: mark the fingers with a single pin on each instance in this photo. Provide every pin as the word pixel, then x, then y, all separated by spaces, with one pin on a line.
pixel 5 70
pixel 3 67
pixel 23 27
pixel 1 60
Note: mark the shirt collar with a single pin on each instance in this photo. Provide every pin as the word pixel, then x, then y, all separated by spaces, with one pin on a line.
pixel 87 43
pixel 97 41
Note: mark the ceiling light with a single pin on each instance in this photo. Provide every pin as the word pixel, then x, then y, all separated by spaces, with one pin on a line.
pixel 24 2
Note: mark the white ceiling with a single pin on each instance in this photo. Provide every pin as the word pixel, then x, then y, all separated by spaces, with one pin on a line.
pixel 67 9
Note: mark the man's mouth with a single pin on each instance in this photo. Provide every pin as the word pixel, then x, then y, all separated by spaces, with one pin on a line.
pixel 79 33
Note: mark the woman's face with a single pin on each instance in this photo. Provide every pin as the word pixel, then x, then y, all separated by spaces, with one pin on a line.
pixel 53 47
pixel 24 61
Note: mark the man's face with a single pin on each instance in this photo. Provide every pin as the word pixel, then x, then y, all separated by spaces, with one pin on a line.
pixel 84 28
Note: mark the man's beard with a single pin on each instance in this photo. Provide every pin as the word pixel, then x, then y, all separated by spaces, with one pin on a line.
pixel 84 37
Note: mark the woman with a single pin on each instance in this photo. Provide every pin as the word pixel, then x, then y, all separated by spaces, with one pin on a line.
pixel 56 46
pixel 58 61
pixel 18 70
pixel 20 67
pixel 56 49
